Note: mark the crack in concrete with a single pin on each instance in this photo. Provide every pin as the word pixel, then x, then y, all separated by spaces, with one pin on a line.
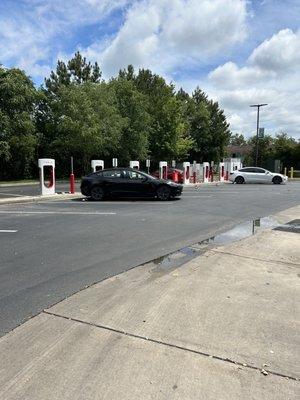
pixel 216 251
pixel 175 346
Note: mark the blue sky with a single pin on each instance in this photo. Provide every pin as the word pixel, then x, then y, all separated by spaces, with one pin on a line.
pixel 240 52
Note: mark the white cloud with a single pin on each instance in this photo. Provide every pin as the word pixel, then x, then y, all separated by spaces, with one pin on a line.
pixel 231 76
pixel 39 27
pixel 280 53
pixel 271 75
pixel 162 34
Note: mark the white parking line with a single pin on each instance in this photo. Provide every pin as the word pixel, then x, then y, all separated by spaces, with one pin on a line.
pixel 57 212
pixel 8 231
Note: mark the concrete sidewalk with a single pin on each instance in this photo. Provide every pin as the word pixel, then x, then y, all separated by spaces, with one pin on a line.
pixel 223 326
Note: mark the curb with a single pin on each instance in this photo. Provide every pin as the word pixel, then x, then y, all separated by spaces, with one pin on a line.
pixel 215 183
pixel 37 199
pixel 3 185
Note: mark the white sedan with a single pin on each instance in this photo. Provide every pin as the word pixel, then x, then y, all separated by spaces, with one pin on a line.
pixel 256 175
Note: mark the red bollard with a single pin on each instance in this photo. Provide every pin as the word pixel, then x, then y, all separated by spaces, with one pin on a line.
pixel 226 176
pixel 175 176
pixel 72 183
pixel 206 173
pixel 195 177
pixel 221 175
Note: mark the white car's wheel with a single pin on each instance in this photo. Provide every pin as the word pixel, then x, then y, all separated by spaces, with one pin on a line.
pixel 239 180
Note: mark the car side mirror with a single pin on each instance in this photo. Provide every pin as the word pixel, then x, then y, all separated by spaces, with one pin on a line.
pixel 144 179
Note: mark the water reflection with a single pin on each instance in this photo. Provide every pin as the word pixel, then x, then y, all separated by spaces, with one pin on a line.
pixel 241 231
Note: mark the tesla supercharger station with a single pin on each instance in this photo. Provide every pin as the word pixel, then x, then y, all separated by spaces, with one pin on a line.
pixel 222 172
pixel 163 170
pixel 97 165
pixel 115 162
pixel 205 172
pixel 134 164
pixel 186 173
pixel 232 164
pixel 47 169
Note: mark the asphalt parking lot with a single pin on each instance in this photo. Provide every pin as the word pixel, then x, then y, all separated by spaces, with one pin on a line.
pixel 50 250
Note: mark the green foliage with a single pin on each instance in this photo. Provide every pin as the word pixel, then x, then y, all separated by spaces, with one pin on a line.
pixel 265 150
pixel 284 149
pixel 18 138
pixel 169 129
pixel 207 126
pixel 281 147
pixel 86 123
pixel 237 140
pixel 133 108
pixel 76 71
pixel 133 116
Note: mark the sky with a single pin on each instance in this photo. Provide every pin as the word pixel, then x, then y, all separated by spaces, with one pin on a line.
pixel 240 52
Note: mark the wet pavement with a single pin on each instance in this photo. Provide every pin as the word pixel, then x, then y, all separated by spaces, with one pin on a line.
pixel 239 232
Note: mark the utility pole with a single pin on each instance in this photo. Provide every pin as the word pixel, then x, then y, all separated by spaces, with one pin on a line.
pixel 257 129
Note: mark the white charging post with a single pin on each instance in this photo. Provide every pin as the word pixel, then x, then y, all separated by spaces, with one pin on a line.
pixel 47 169
pixel 186 173
pixel 134 164
pixel 148 165
pixel 97 165
pixel 115 162
pixel 163 170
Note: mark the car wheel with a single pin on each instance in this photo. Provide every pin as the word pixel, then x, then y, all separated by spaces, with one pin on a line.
pixel 277 180
pixel 163 193
pixel 239 180
pixel 97 193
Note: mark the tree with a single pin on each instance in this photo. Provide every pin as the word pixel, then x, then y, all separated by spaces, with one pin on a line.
pixel 169 130
pixel 207 125
pixel 87 123
pixel 283 149
pixel 76 71
pixel 219 132
pixel 132 106
pixel 237 140
pixel 18 139
pixel 265 150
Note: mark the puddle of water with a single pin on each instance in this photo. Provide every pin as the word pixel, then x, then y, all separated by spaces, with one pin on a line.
pixel 291 226
pixel 244 230
pixel 241 231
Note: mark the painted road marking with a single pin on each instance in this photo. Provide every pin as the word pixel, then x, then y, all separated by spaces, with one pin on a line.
pixel 57 212
pixel 8 231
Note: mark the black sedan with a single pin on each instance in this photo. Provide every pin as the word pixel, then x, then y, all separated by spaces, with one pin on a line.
pixel 127 182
